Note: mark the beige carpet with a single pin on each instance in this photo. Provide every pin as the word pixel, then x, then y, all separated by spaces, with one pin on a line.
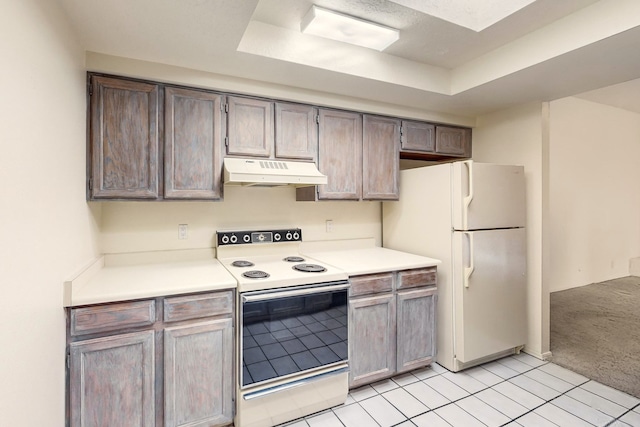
pixel 595 331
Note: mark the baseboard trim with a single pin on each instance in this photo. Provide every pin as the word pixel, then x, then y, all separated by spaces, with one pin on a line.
pixel 634 267
pixel 542 356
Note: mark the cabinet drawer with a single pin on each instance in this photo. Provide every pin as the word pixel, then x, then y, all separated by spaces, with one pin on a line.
pixel 198 306
pixel 417 277
pixel 111 317
pixel 371 284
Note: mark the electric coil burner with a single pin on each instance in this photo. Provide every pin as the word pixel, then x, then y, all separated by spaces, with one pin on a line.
pixel 255 274
pixel 310 268
pixel 292 339
pixel 242 263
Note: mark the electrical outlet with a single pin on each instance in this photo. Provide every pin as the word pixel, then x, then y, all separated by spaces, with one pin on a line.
pixel 183 231
pixel 329 224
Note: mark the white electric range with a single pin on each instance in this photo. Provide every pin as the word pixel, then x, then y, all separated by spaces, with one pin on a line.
pixel 292 327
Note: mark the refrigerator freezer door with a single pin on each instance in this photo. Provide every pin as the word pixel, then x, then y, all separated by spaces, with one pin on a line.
pixel 487 196
pixel 489 286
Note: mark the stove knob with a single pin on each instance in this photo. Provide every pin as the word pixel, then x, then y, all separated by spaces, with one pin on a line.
pixel 277 237
pixel 289 235
pixel 296 236
pixel 246 238
pixel 225 239
pixel 234 239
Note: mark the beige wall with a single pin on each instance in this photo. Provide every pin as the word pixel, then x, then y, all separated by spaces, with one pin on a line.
pixel 177 75
pixel 593 193
pixel 140 226
pixel 46 227
pixel 583 213
pixel 515 136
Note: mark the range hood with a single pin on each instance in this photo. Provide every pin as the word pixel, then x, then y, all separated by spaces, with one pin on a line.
pixel 271 173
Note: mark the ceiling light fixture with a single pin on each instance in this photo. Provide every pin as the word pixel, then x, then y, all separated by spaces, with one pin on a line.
pixel 348 29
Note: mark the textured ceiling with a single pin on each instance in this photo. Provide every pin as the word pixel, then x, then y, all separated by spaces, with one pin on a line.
pixel 548 49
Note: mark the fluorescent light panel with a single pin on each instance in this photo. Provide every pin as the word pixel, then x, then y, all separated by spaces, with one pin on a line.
pixel 473 14
pixel 344 28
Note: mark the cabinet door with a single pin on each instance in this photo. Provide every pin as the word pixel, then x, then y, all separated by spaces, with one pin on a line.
pixel 198 374
pixel 249 127
pixel 340 155
pixel 112 381
pixel 380 158
pixel 296 132
pixel 372 339
pixel 453 141
pixel 416 328
pixel 418 136
pixel 193 138
pixel 124 139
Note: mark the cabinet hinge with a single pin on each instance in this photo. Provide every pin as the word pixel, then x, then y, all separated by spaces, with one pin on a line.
pixel 90 89
pixel 318 118
pixel 226 108
pixel 90 183
pixel 68 361
pixel 226 141
pixel 401 130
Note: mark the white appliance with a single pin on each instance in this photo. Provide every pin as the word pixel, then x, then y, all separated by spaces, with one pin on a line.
pixel 271 173
pixel 292 327
pixel 471 216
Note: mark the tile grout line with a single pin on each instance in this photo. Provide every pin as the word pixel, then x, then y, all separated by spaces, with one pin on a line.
pixel 503 380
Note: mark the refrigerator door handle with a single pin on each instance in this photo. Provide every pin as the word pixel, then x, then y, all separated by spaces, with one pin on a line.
pixel 469 197
pixel 468 269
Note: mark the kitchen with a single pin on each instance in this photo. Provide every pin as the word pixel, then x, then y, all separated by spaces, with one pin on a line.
pixel 51 234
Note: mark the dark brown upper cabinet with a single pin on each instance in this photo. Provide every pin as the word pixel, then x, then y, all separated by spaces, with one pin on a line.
pixel 193 141
pixel 418 136
pixel 124 139
pixel 340 155
pixel 296 132
pixel 380 158
pixel 155 141
pixel 421 140
pixel 249 127
pixel 453 141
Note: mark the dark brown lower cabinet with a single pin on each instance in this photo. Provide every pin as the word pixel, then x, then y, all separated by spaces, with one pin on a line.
pixel 197 372
pixel 112 381
pixel 416 311
pixel 391 324
pixel 157 362
pixel 372 347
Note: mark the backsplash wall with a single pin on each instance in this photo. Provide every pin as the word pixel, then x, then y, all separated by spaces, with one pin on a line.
pixel 151 226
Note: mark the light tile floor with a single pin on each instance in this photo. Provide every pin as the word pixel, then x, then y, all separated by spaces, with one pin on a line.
pixel 516 391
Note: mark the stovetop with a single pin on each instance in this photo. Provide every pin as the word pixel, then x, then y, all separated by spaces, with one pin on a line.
pixel 268 259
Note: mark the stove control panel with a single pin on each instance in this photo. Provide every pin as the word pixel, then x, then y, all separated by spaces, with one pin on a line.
pixel 225 238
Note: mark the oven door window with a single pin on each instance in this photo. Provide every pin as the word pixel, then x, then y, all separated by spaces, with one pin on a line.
pixel 287 335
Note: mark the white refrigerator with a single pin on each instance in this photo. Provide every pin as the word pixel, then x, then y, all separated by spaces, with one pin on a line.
pixel 471 216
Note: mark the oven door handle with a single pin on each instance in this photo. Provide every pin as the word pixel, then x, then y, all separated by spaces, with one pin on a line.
pixel 294 292
pixel 293 384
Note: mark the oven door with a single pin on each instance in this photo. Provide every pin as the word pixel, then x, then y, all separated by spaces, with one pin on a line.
pixel 291 331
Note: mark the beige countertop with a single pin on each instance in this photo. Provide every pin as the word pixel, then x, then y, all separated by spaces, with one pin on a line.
pixel 119 277
pixel 361 256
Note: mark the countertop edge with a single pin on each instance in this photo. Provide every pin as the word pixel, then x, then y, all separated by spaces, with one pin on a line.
pixel 372 260
pixel 106 299
pixel 81 279
pixel 135 276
